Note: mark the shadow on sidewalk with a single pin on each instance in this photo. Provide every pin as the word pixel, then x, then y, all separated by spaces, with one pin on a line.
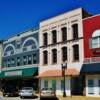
pixel 49 98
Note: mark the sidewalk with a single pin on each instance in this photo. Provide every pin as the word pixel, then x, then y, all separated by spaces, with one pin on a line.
pixel 78 98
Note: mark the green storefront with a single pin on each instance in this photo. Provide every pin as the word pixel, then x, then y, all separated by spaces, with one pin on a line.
pixel 19 78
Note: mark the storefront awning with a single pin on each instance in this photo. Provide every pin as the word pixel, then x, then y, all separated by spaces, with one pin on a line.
pixel 58 73
pixel 93 68
pixel 19 73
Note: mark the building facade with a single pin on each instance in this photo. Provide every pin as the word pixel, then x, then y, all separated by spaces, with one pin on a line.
pixel 61 41
pixel 91 66
pixel 20 59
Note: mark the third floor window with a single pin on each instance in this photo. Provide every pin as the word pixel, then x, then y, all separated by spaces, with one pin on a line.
pixel 54 37
pixel 45 39
pixel 75 31
pixel 64 34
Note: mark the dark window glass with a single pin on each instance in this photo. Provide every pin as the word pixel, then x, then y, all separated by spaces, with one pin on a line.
pixel 64 34
pixel 12 62
pixel 75 31
pixel 64 54
pixel 8 63
pixel 29 59
pixel 24 60
pixel 45 39
pixel 75 52
pixel 45 57
pixel 34 59
pixel 18 61
pixel 54 56
pixel 54 36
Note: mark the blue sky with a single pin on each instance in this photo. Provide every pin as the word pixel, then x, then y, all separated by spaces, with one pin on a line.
pixel 19 15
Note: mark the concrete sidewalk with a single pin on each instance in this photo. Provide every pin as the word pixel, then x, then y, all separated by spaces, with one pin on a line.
pixel 78 98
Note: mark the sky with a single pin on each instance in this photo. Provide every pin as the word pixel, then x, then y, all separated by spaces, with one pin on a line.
pixel 19 15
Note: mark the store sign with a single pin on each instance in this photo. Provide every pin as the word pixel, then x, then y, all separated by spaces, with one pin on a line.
pixel 96 52
pixel 13 73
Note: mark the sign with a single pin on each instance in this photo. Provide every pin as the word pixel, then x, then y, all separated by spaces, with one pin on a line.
pixel 13 73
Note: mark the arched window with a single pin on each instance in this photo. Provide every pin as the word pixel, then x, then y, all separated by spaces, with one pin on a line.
pixel 76 52
pixel 75 31
pixel 45 57
pixel 96 39
pixel 54 56
pixel 64 54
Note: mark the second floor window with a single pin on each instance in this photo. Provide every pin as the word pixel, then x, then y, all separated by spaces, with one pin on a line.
pixel 45 57
pixel 25 60
pixel 54 56
pixel 75 31
pixel 64 54
pixel 34 58
pixel 76 53
pixel 64 34
pixel 45 39
pixel 18 61
pixel 29 59
pixel 54 37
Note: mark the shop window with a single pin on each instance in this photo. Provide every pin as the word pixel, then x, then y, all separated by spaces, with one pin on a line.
pixel 62 85
pixel 45 39
pixel 54 37
pixel 54 84
pixel 45 57
pixel 90 87
pixel 75 31
pixel 24 60
pixel 54 56
pixel 64 54
pixel 45 83
pixel 29 59
pixel 99 86
pixel 76 53
pixel 18 61
pixel 64 34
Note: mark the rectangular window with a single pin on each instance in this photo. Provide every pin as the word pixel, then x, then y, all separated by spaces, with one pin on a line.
pixel 54 84
pixel 54 56
pixel 24 60
pixel 45 83
pixel 90 87
pixel 12 62
pixel 75 31
pixel 45 57
pixel 34 59
pixel 99 86
pixel 29 59
pixel 18 61
pixel 64 34
pixel 54 37
pixel 62 85
pixel 45 39
pixel 8 63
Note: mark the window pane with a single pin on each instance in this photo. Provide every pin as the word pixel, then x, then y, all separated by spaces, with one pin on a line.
pixel 45 57
pixel 54 36
pixel 64 54
pixel 45 83
pixel 90 87
pixel 75 31
pixel 64 34
pixel 54 55
pixel 29 59
pixel 62 84
pixel 54 84
pixel 95 42
pixel 45 39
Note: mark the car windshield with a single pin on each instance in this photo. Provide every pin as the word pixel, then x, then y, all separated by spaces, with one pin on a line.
pixel 27 88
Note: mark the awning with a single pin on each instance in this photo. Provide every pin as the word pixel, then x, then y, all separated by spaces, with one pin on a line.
pixel 19 73
pixel 58 73
pixel 93 68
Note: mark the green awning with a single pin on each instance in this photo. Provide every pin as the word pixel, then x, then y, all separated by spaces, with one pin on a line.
pixel 19 73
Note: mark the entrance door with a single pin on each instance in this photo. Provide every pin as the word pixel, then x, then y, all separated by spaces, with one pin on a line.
pixel 77 85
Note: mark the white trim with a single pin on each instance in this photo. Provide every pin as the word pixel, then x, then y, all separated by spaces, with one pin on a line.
pixel 20 67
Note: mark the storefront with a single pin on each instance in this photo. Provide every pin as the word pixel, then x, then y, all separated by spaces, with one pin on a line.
pixel 20 77
pixel 92 80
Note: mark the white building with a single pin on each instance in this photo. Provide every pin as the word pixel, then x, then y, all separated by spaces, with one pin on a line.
pixel 61 40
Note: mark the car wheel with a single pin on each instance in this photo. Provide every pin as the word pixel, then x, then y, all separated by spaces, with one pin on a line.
pixel 21 97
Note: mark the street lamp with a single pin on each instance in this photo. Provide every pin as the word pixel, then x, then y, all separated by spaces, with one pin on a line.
pixel 64 67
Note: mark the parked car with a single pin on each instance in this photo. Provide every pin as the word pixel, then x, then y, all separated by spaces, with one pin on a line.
pixel 10 91
pixel 26 92
pixel 47 93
